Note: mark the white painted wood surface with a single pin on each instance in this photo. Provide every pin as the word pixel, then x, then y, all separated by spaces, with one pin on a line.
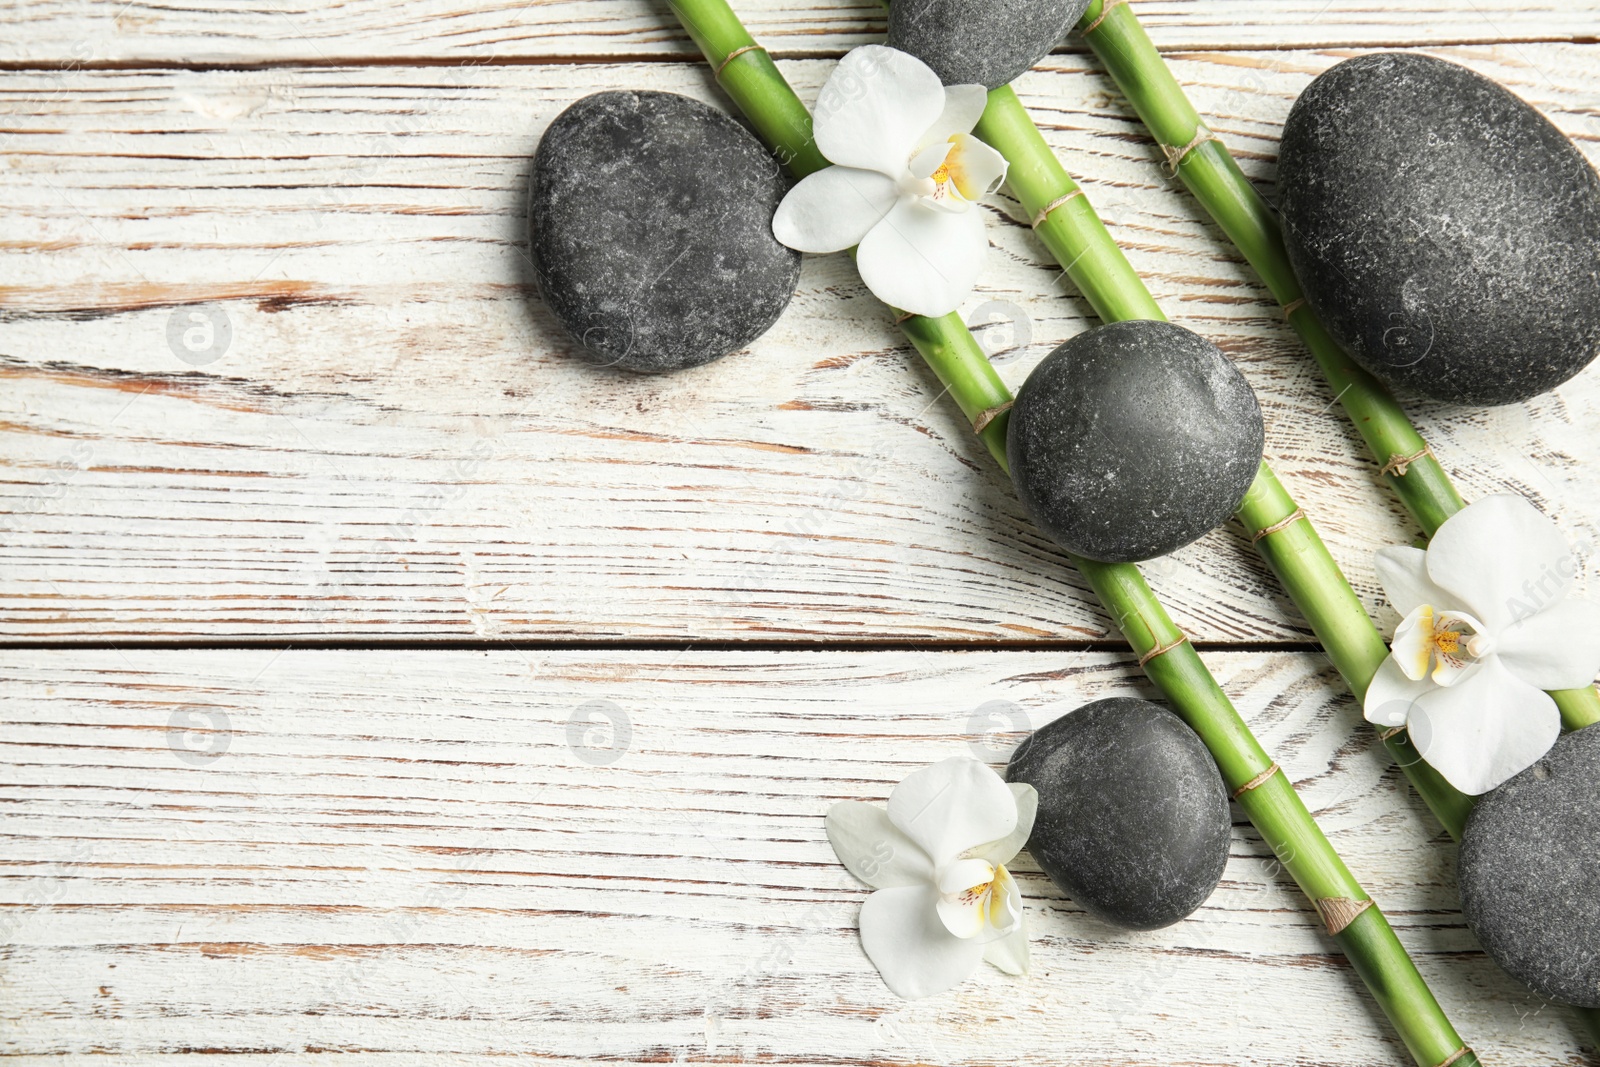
pixel 491 31
pixel 417 858
pixel 396 442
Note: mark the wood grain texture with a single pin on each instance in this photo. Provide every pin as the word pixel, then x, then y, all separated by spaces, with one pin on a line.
pixel 395 441
pixel 415 857
pixel 69 33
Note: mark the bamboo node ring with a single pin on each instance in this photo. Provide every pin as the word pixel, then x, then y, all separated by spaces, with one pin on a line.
pixel 1398 465
pixel 1176 155
pixel 1392 731
pixel 1339 912
pixel 1258 780
pixel 1282 524
pixel 733 55
pixel 1454 1056
pixel 1044 212
pixel 1294 305
pixel 984 418
pixel 1181 639
pixel 1111 5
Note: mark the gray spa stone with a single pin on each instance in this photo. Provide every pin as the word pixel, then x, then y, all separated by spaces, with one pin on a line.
pixel 987 42
pixel 1446 233
pixel 1133 816
pixel 650 217
pixel 1530 872
pixel 1133 439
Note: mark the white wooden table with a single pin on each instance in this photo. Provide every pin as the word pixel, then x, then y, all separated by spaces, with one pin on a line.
pixel 380 679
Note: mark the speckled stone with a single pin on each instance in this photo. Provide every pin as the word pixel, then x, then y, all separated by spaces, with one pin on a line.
pixel 1530 872
pixel 1133 816
pixel 1447 234
pixel 1133 439
pixel 650 217
pixel 987 42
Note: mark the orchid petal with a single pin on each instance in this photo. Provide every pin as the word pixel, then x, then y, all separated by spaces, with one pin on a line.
pixel 1502 558
pixel 1390 695
pixel 1403 573
pixel 873 849
pixel 1005 850
pixel 963 915
pixel 965 874
pixel 1009 953
pixel 1005 904
pixel 833 209
pixel 976 169
pixel 904 938
pixel 923 260
pixel 874 108
pixel 1413 642
pixel 930 159
pixel 1559 648
pixel 952 806
pixel 963 107
pixel 1485 729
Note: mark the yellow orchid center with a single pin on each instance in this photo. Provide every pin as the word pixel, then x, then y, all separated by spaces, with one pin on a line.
pixel 943 179
pixel 1447 641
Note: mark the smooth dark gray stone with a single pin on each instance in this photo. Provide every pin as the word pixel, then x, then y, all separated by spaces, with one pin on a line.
pixel 987 42
pixel 1133 439
pixel 1447 234
pixel 1133 817
pixel 1530 872
pixel 650 217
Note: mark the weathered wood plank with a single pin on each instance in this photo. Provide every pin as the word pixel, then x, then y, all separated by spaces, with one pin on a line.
pixel 395 442
pixel 317 31
pixel 403 855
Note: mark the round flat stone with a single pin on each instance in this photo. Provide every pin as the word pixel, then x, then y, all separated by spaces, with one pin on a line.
pixel 983 42
pixel 650 217
pixel 1133 816
pixel 1444 231
pixel 1133 439
pixel 1530 872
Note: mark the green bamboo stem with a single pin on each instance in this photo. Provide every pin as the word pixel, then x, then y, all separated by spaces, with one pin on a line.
pixel 1264 793
pixel 1297 556
pixel 962 367
pixel 1579 707
pixel 747 74
pixel 1080 243
pixel 1211 174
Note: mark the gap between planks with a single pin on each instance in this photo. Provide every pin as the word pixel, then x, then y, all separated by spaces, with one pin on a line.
pixel 607 645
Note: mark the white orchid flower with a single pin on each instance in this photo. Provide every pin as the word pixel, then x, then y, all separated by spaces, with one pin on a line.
pixel 906 176
pixel 944 901
pixel 1488 627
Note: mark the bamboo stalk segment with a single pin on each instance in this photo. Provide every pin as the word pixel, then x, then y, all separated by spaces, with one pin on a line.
pixel 1082 246
pixel 1113 31
pixel 1168 658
